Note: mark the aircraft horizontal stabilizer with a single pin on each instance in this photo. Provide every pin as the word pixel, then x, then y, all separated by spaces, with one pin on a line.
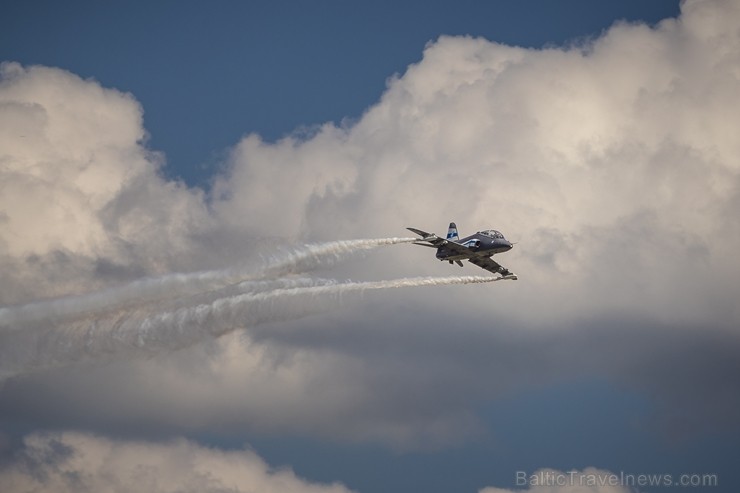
pixel 420 243
pixel 421 233
pixel 428 239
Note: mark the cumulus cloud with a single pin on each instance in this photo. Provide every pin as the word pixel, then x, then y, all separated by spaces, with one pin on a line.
pixel 614 162
pixel 81 198
pixel 80 462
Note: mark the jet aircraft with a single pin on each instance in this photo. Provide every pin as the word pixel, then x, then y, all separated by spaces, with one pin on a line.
pixel 476 249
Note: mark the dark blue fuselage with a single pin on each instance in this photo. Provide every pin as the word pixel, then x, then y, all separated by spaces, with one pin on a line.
pixel 484 243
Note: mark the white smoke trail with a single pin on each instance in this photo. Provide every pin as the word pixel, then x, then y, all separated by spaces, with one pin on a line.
pixel 170 286
pixel 131 297
pixel 131 333
pixel 313 256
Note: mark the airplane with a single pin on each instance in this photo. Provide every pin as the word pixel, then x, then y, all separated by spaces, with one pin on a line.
pixel 476 249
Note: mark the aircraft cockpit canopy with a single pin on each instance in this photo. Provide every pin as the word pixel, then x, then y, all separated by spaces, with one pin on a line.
pixel 492 233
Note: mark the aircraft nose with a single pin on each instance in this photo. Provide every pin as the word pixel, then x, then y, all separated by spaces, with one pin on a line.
pixel 509 245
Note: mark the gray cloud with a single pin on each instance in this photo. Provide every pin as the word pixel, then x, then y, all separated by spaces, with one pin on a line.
pixel 408 380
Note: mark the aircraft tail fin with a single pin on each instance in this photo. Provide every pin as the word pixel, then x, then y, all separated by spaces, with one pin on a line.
pixel 452 232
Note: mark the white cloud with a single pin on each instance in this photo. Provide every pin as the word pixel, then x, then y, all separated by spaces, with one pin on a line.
pixel 614 163
pixel 80 462
pixel 273 184
pixel 80 195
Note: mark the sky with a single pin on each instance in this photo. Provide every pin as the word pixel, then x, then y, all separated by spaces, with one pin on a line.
pixel 207 284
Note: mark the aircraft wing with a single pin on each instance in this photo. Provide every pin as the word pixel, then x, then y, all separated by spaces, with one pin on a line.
pixel 483 262
pixel 490 265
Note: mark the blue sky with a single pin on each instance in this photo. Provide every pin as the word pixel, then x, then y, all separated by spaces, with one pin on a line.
pixel 577 134
pixel 207 76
